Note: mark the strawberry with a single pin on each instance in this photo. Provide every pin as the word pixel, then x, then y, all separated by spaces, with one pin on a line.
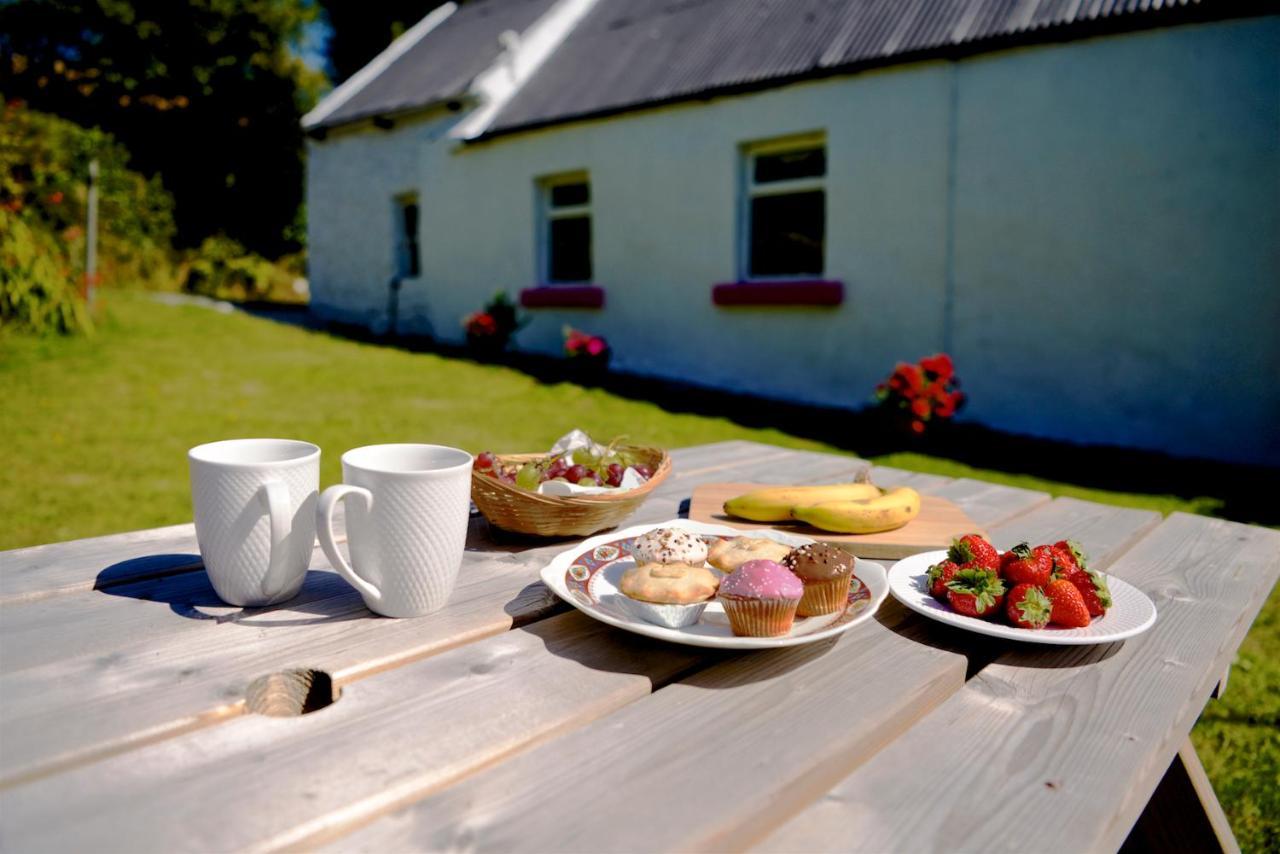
pixel 975 592
pixel 939 574
pixel 1027 607
pixel 1093 589
pixel 972 548
pixel 1069 609
pixel 1068 557
pixel 1025 565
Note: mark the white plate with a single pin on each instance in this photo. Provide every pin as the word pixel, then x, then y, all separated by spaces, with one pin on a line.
pixel 586 576
pixel 1131 612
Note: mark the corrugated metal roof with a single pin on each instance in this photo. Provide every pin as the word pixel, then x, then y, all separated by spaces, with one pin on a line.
pixel 627 54
pixel 444 62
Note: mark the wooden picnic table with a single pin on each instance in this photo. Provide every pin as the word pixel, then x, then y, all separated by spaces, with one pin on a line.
pixel 131 700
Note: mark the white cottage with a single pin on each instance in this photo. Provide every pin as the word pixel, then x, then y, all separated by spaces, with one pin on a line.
pixel 1078 199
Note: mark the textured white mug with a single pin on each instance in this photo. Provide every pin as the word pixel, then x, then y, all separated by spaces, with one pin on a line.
pixel 255 514
pixel 407 532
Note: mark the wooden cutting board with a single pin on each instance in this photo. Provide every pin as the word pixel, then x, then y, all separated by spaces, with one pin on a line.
pixel 938 524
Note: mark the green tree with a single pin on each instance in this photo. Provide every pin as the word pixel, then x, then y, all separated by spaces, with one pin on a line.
pixel 207 94
pixel 360 30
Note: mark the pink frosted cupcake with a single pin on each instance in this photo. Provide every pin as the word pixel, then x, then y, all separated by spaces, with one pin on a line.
pixel 760 599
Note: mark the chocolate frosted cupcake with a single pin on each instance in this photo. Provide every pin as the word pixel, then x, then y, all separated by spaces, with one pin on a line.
pixel 760 599
pixel 826 572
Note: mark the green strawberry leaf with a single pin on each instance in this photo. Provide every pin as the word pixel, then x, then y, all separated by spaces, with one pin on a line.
pixel 1100 587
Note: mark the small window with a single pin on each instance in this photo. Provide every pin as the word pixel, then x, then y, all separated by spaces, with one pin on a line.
pixel 407 260
pixel 784 210
pixel 566 230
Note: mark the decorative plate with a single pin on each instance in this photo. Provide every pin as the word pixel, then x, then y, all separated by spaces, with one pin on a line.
pixel 1131 612
pixel 587 575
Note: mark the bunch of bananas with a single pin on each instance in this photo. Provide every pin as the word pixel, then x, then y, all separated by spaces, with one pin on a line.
pixel 845 508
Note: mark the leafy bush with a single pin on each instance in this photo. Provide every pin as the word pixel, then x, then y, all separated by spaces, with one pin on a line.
pixel 223 269
pixel 37 291
pixel 44 167
pixel 917 394
pixel 491 328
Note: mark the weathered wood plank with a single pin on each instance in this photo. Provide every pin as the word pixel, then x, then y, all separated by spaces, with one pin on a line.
pixel 1068 744
pixel 887 476
pixel 67 567
pixel 776 742
pixel 1103 526
pixel 260 782
pixel 154 672
pixel 985 502
pixel 697 765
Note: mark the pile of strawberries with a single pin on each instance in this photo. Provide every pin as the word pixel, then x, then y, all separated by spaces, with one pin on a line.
pixel 1045 584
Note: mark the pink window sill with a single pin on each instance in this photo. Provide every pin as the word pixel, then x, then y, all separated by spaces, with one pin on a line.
pixel 791 292
pixel 563 296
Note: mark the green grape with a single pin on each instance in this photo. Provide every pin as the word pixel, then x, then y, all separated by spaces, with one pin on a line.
pixel 627 458
pixel 588 481
pixel 529 477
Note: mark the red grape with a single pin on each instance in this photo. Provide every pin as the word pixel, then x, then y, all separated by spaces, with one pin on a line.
pixel 644 471
pixel 576 473
pixel 615 475
pixel 484 461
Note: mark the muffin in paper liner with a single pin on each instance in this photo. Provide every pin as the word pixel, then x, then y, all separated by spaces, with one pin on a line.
pixel 759 618
pixel 671 616
pixel 824 597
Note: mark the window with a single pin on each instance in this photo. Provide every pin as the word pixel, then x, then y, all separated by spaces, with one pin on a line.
pixel 407 236
pixel 565 253
pixel 784 210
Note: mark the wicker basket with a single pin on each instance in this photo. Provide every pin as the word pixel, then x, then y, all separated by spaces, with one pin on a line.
pixel 514 509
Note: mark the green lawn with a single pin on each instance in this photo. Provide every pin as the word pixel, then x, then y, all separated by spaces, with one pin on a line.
pixel 96 432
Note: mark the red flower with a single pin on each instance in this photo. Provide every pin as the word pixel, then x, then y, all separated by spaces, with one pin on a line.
pixel 939 365
pixel 55 198
pixel 911 376
pixel 923 391
pixel 481 323
pixel 595 346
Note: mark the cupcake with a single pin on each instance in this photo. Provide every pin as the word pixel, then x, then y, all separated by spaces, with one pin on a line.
pixel 728 555
pixel 668 594
pixel 826 572
pixel 669 545
pixel 760 599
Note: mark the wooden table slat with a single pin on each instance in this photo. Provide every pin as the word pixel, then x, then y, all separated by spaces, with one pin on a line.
pixel 260 782
pixel 721 757
pixel 1077 739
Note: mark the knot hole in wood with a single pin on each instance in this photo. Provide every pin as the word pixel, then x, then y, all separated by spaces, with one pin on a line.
pixel 290 693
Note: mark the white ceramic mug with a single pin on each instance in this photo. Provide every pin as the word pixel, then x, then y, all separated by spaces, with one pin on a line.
pixel 407 531
pixel 255 513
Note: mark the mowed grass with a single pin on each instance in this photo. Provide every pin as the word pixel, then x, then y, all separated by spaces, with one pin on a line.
pixel 96 430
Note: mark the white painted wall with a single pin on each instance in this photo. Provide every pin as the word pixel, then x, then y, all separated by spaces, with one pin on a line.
pixel 1114 270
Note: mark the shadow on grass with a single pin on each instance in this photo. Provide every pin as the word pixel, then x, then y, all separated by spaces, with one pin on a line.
pixel 1243 491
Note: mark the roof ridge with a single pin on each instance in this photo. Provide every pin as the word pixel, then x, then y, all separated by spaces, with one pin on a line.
pixel 371 70
pixel 524 55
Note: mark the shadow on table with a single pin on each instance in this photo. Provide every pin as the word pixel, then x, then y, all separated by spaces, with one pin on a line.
pixel 604 648
pixel 981 650
pixel 179 581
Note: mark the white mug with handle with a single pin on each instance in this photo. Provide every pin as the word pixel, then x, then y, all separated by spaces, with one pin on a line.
pixel 254 502
pixel 407 528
